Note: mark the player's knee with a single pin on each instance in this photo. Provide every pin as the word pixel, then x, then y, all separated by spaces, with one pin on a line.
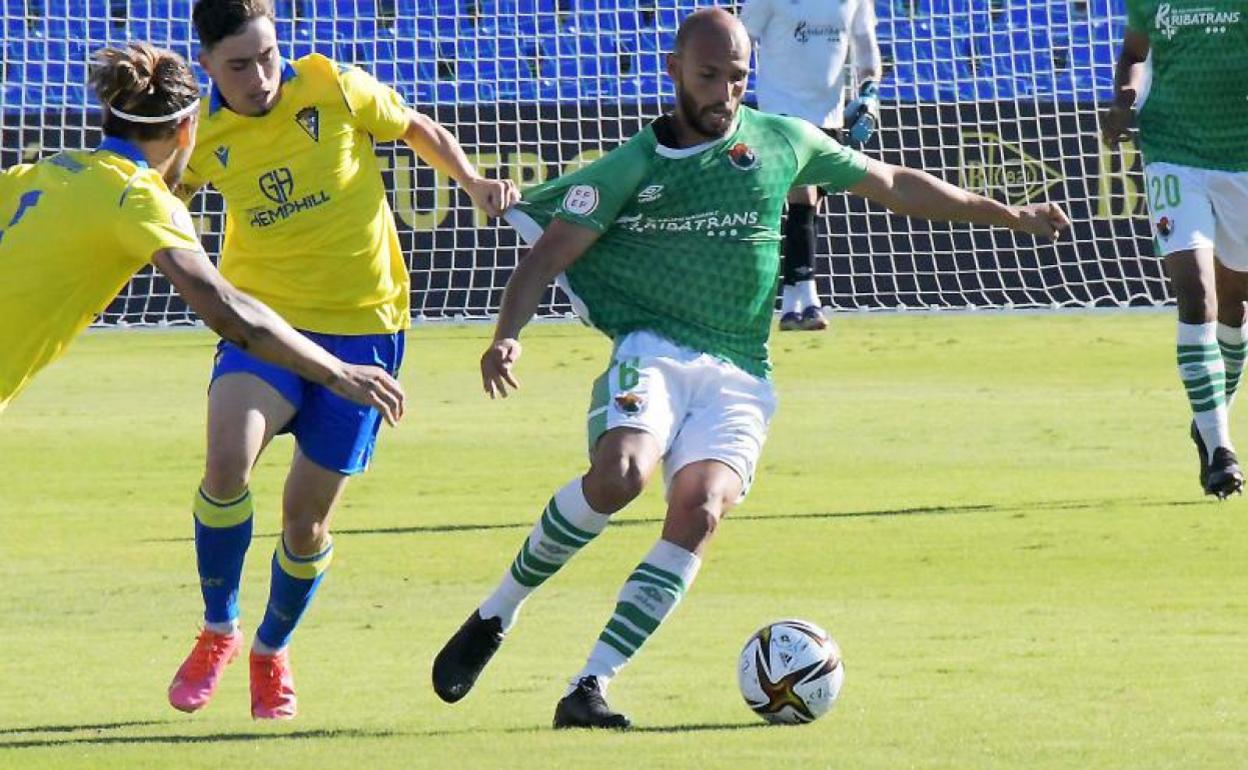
pixel 613 483
pixel 305 536
pixel 225 476
pixel 691 523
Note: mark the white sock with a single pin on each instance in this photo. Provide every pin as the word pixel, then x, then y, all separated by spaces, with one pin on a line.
pixel 567 525
pixel 808 295
pixel 260 648
pixel 226 627
pixel 648 597
pixel 790 302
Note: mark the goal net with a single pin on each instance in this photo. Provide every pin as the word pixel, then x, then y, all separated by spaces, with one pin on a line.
pixel 1000 96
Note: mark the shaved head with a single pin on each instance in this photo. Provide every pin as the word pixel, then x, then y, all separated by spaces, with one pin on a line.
pixel 709 68
pixel 715 22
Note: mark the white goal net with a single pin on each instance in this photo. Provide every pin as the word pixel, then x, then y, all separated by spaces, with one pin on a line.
pixel 1000 96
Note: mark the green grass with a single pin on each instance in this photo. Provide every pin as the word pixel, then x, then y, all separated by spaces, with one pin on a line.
pixel 997 517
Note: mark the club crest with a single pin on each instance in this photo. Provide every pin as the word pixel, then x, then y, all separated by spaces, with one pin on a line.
pixel 629 403
pixel 742 157
pixel 309 119
pixel 1165 227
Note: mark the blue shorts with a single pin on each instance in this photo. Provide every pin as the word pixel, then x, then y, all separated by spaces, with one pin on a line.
pixel 332 432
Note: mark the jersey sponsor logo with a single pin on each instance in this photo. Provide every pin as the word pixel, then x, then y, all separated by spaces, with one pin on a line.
pixel 1165 227
pixel 650 194
pixel 1168 21
pixel 309 119
pixel 278 186
pixel 994 167
pixel 804 31
pixel 222 154
pixel 742 157
pixel 581 199
pixel 713 223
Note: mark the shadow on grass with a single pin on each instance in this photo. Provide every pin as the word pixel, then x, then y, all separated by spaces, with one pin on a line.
pixel 78 728
pixel 925 510
pixel 707 727
pixel 108 740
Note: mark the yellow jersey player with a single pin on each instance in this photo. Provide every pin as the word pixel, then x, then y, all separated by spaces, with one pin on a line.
pixel 55 278
pixel 289 144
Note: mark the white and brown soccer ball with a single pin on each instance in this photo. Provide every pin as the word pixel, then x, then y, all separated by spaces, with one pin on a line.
pixel 790 672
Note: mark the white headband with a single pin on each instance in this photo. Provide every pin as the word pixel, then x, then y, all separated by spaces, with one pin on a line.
pixel 182 113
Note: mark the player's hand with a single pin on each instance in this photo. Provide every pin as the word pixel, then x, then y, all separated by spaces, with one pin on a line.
pixel 493 196
pixel 862 115
pixel 371 386
pixel 1116 125
pixel 1045 220
pixel 496 365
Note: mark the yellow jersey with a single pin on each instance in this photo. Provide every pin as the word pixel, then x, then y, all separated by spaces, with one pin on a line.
pixel 73 228
pixel 308 228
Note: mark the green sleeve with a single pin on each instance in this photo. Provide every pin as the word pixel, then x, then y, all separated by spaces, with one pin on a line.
pixel 1137 15
pixel 595 195
pixel 820 160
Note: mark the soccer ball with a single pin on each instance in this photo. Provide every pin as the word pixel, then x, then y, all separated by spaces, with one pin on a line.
pixel 790 672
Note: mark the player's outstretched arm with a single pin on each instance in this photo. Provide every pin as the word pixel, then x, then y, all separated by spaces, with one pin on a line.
pixel 560 245
pixel 436 146
pixel 1129 73
pixel 252 326
pixel 914 193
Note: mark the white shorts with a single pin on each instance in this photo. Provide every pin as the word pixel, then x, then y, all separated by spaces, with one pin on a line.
pixel 698 407
pixel 1192 208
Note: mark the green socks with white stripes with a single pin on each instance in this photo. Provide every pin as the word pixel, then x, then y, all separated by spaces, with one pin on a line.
pixel 567 525
pixel 1204 377
pixel 647 598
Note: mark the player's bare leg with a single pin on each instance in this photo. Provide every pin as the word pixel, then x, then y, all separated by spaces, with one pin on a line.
pixel 800 308
pixel 1193 279
pixel 623 461
pixel 244 413
pixel 701 494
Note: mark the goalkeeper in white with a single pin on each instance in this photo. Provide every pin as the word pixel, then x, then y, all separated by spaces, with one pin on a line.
pixel 803 46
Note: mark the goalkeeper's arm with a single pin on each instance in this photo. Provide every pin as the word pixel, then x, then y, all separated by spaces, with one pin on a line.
pixel 862 115
pixel 915 193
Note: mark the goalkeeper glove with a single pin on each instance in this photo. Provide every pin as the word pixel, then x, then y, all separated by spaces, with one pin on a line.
pixel 862 115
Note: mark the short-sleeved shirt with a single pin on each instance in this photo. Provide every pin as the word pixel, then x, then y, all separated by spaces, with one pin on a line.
pixel 308 228
pixel 802 49
pixel 73 228
pixel 690 245
pixel 1196 111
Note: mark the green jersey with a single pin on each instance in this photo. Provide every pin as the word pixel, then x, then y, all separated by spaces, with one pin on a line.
pixel 690 245
pixel 1196 113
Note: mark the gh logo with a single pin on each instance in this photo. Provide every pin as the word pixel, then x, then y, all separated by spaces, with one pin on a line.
pixel 277 185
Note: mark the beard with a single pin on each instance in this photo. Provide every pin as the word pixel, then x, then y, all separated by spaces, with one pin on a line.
pixel 697 117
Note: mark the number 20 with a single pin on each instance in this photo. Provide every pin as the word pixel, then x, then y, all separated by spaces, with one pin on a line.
pixel 1169 185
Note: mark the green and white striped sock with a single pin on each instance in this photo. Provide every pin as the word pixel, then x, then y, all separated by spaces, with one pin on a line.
pixel 647 598
pixel 567 525
pixel 1204 377
pixel 1233 342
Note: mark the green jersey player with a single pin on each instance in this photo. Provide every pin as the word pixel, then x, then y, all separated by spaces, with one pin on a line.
pixel 670 245
pixel 1193 127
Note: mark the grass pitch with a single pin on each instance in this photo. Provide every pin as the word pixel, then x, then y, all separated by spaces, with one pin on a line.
pixel 997 516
